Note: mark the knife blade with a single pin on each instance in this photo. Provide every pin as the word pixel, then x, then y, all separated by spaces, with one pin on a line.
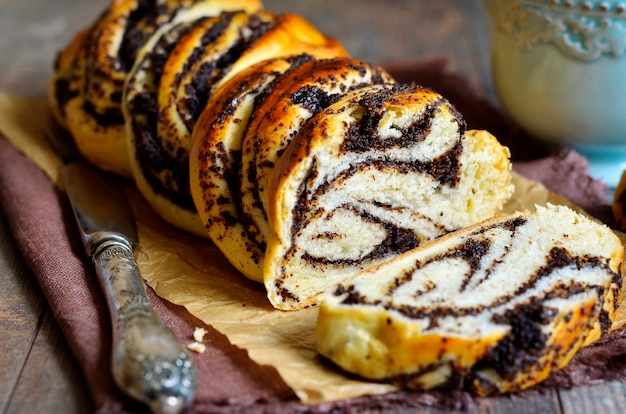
pixel 148 362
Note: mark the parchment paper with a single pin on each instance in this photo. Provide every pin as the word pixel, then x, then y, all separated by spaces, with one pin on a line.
pixel 190 271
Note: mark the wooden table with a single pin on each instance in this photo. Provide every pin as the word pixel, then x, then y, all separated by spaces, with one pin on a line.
pixel 37 371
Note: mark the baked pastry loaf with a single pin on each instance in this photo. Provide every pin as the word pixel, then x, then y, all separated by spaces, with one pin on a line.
pixel 90 72
pixel 212 100
pixel 175 76
pixel 492 308
pixel 379 172
pixel 257 113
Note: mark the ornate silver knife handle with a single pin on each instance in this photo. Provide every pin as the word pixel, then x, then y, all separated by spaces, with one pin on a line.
pixel 149 363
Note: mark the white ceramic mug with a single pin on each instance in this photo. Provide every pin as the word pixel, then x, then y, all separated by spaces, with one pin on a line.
pixel 559 70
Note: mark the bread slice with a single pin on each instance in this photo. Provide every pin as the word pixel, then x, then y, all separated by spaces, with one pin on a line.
pixel 296 96
pixel 492 308
pixel 215 162
pixel 381 171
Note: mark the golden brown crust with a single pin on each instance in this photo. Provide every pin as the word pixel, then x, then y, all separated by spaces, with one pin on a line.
pixel 59 88
pixel 291 35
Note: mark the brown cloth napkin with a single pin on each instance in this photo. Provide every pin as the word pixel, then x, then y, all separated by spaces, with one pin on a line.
pixel 44 230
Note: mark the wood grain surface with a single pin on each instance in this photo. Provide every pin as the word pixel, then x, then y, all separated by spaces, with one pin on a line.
pixel 38 374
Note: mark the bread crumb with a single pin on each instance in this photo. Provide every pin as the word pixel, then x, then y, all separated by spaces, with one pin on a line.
pixel 198 334
pixel 197 347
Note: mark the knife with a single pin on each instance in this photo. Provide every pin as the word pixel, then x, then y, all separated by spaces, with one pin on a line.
pixel 148 362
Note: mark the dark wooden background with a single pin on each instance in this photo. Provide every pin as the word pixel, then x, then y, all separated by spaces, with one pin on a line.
pixel 38 374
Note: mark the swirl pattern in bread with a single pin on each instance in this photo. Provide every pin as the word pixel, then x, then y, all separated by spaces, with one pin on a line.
pixel 379 172
pixel 173 79
pixel 241 133
pixel 90 72
pixel 295 98
pixel 492 308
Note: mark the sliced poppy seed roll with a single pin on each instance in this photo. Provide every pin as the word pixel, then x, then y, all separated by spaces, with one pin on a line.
pixel 492 308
